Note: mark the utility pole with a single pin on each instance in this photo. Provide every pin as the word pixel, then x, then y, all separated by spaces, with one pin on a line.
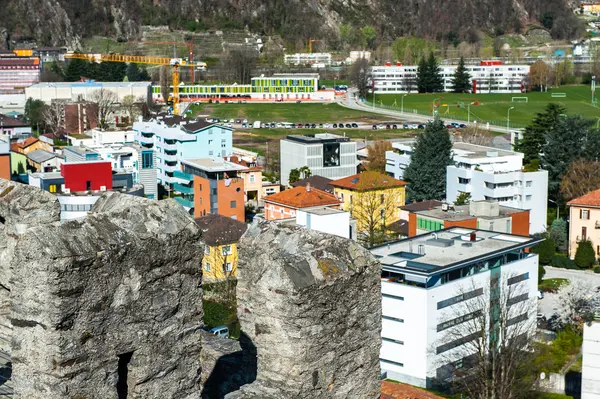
pixel 402 103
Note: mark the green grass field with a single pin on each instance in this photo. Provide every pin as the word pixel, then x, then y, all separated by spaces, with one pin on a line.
pixel 285 112
pixel 494 107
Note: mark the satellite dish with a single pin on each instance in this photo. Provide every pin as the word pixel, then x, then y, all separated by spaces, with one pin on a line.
pixel 542 376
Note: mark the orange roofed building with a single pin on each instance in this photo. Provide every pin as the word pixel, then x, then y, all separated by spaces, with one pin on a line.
pixel 584 221
pixel 211 186
pixel 284 205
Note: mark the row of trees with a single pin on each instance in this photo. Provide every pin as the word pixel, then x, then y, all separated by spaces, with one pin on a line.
pixel 105 71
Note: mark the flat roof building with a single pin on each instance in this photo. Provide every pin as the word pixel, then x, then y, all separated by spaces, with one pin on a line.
pixel 432 284
pixel 73 91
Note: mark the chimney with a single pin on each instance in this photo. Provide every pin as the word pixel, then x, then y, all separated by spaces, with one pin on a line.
pixel 473 237
pixel 307 187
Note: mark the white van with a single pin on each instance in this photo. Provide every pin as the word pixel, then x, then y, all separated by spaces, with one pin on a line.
pixel 256 125
pixel 220 331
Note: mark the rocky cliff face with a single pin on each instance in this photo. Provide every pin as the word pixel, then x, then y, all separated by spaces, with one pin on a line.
pixel 64 22
pixel 311 304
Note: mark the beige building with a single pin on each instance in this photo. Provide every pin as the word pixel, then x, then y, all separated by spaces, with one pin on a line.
pixel 584 221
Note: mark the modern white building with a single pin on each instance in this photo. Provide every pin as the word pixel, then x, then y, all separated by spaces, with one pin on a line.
pixel 73 91
pixel 174 138
pixel 325 154
pixel 327 220
pixel 484 78
pixel 307 58
pixel 433 284
pixel 590 370
pixel 487 174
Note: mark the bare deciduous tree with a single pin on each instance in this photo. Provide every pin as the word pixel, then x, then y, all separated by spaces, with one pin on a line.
pixel 539 74
pixel 475 135
pixel 238 65
pixel 581 178
pixel 53 117
pixel 376 158
pixel 359 76
pixel 373 208
pixel 485 339
pixel 105 99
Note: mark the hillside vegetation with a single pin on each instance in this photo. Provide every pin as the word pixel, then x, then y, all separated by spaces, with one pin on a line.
pixel 66 22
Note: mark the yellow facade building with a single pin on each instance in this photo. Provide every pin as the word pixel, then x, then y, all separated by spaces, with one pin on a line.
pixel 221 235
pixel 372 198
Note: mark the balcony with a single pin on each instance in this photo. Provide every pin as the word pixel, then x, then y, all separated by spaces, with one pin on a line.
pixel 183 178
pixel 171 147
pixel 185 203
pixel 169 158
pixel 183 189
pixel 143 139
pixel 169 168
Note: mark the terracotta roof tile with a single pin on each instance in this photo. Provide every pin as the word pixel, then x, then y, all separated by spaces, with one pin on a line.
pixel 395 390
pixel 590 199
pixel 369 180
pixel 28 141
pixel 303 197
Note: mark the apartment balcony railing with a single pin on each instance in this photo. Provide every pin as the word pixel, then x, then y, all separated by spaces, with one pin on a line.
pixel 183 189
pixel 185 203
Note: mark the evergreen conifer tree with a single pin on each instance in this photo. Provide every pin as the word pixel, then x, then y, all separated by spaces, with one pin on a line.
pixel 76 69
pixel 534 136
pixel 422 76
pixel 133 72
pixel 585 256
pixel 435 79
pixel 461 81
pixel 426 172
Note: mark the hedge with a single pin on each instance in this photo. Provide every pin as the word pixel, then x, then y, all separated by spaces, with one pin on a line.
pixel 563 262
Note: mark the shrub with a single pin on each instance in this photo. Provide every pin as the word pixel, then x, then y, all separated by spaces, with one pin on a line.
pixel 546 250
pixel 216 314
pixel 597 269
pixel 563 262
pixel 541 273
pixel 585 255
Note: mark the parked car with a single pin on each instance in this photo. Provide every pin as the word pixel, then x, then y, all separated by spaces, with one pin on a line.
pixel 388 126
pixel 273 125
pixel 216 120
pixel 229 124
pixel 313 126
pixel 462 126
pixel 320 126
pixel 394 126
pixel 348 126
pixel 279 125
pixel 245 121
pixel 374 127
pixel 220 331
pixel 340 125
pixel 327 126
pixel 300 125
pixel 238 121
pixel 421 126
pixel 405 126
pixel 381 126
pixel 355 125
pixel 225 120
pixel 335 125
pixel 243 125
pixel 293 125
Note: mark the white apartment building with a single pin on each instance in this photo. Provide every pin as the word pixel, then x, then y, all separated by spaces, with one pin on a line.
pixel 590 370
pixel 174 138
pixel 307 58
pixel 325 154
pixel 433 284
pixel 487 174
pixel 484 78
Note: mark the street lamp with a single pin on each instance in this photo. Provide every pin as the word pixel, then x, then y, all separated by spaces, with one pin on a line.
pixel 508 120
pixel 557 208
pixel 402 103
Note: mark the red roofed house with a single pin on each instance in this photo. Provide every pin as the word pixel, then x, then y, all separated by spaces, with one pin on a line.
pixel 584 221
pixel 284 205
pixel 29 145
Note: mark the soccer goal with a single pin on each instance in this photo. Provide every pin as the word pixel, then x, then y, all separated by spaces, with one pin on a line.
pixel 558 95
pixel 520 99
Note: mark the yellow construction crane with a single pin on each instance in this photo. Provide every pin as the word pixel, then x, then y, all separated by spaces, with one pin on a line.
pixel 175 63
pixel 310 42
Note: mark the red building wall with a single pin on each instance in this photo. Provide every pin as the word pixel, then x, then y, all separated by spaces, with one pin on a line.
pixel 5 166
pixel 201 196
pixel 77 175
pixel 520 223
pixel 232 194
pixel 468 223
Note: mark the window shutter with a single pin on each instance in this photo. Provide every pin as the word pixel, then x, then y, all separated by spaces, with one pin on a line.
pixel 580 213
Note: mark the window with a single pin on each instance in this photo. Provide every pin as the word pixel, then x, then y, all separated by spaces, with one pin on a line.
pixel 528 183
pixel 252 178
pixel 518 279
pixel 517 319
pixel 210 142
pixel 147 160
pixel 199 187
pixel 401 298
pixel 228 267
pixel 233 204
pixel 394 341
pixel 584 214
pixel 517 299
pixel 392 362
pixel 459 298
pixel 584 233
pixel 226 250
pixel 451 323
pixel 455 343
pixel 382 198
pixel 207 250
pixel 210 153
pixel 52 188
pixel 206 267
pixel 528 197
pixel 393 319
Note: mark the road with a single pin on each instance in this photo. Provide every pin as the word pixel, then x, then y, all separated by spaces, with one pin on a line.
pixel 352 103
pixel 547 306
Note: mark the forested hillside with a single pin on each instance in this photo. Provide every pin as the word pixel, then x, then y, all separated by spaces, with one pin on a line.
pixel 65 22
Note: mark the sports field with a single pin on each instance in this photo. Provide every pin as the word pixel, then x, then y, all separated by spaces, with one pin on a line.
pixel 285 112
pixel 494 107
